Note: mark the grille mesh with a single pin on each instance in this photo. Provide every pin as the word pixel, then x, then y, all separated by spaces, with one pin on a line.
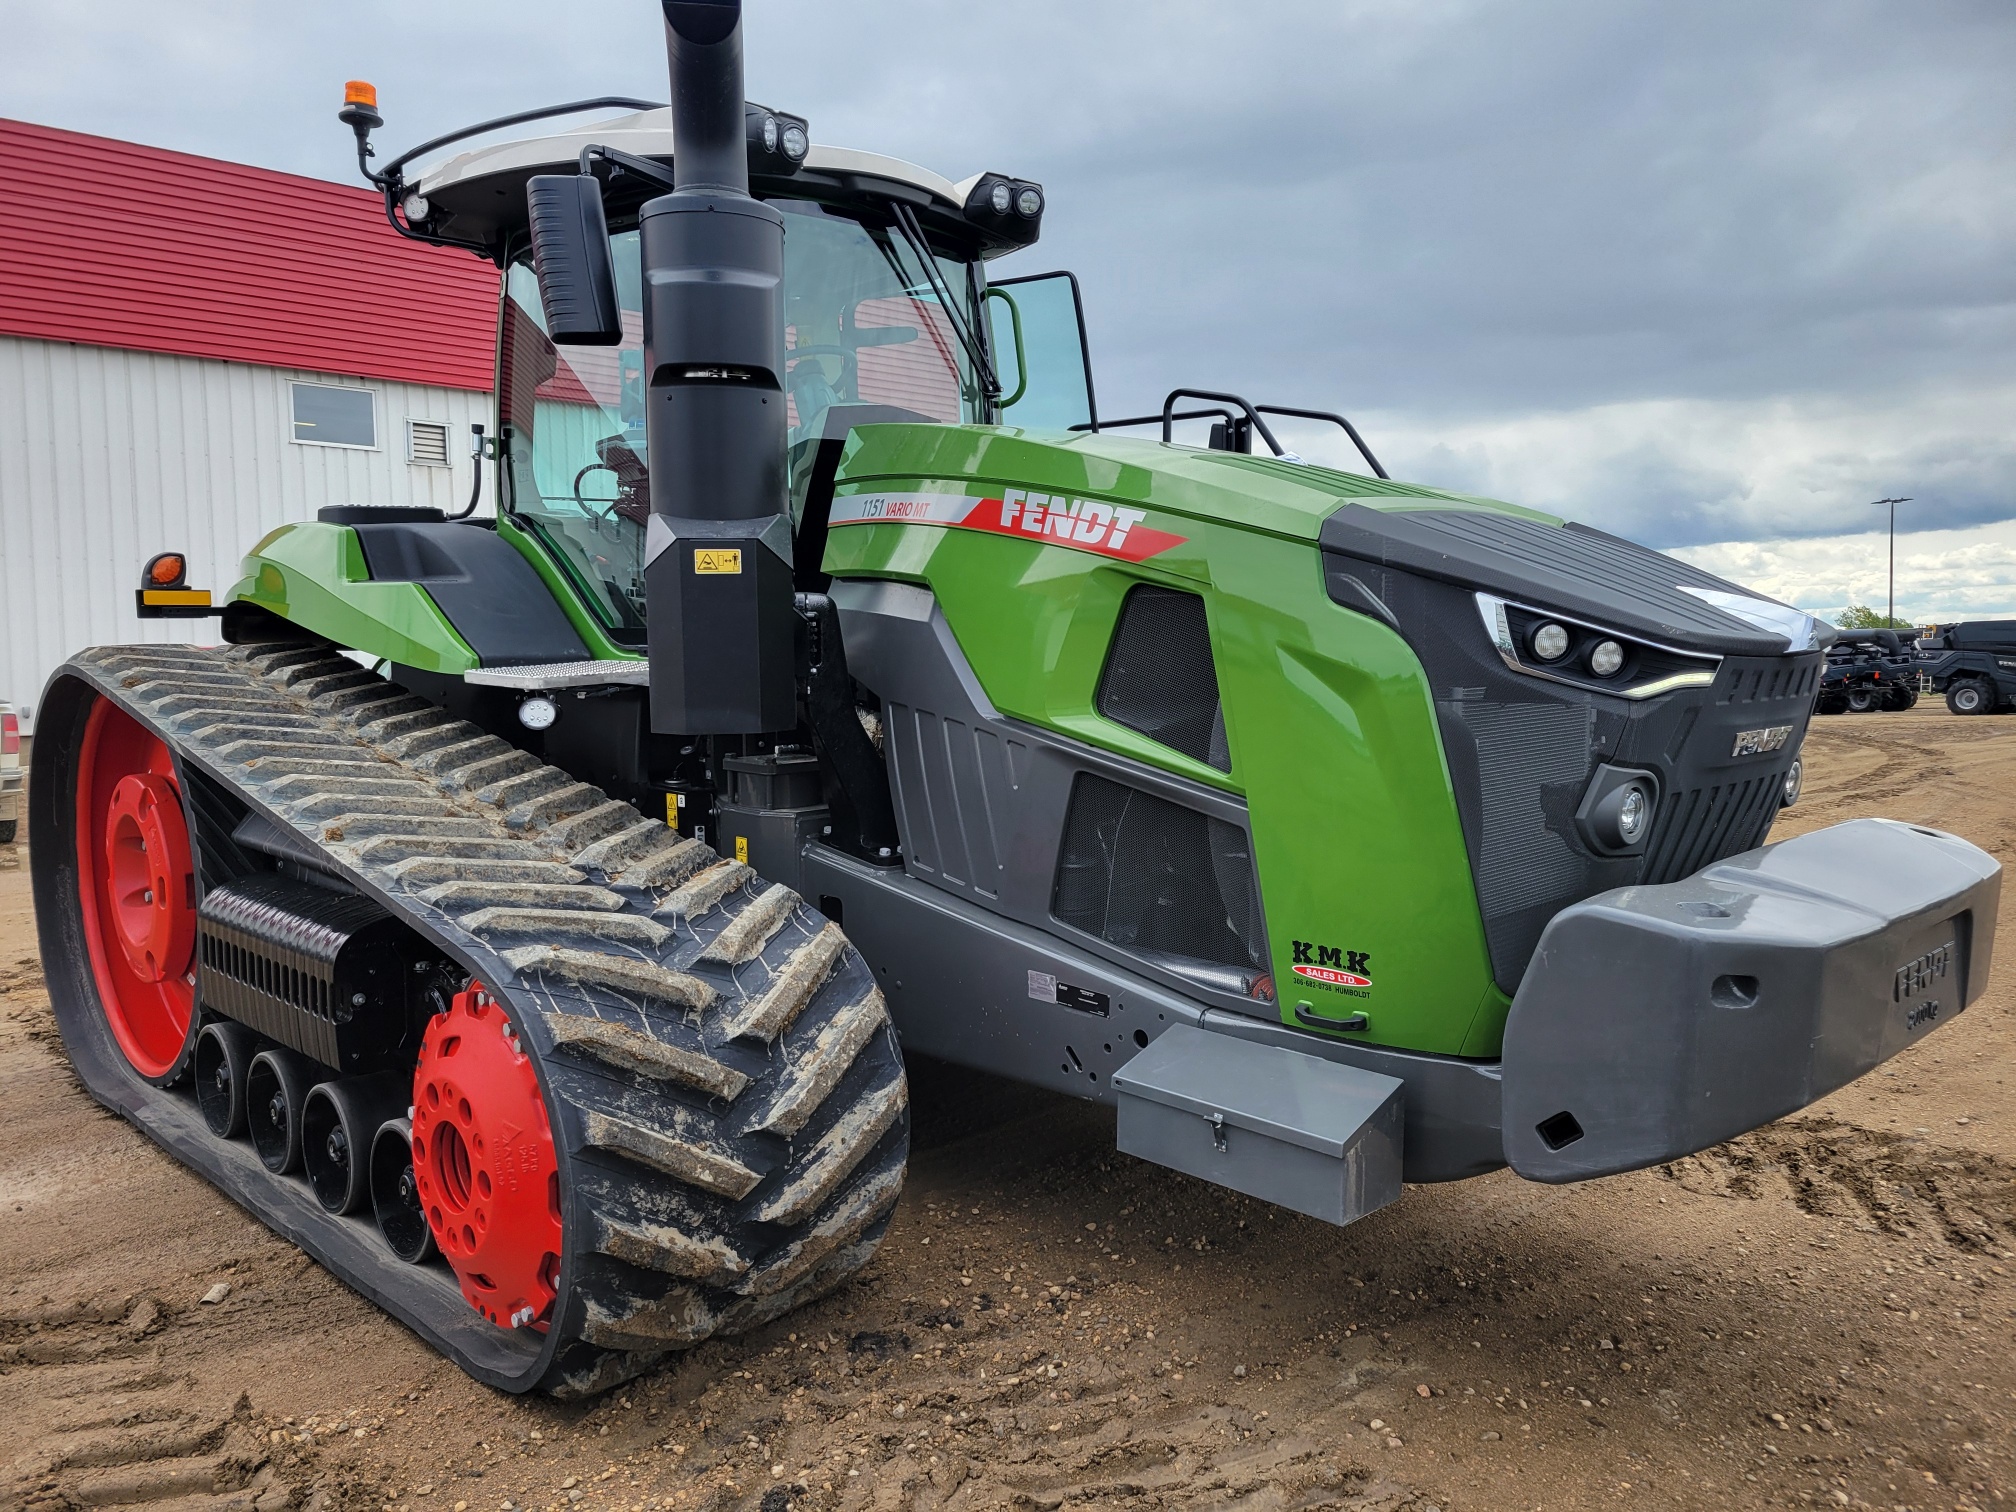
pixel 1704 824
pixel 1149 875
pixel 1159 677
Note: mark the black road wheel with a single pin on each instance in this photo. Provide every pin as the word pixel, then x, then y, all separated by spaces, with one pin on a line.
pixel 1831 703
pixel 1969 695
pixel 1864 701
pixel 721 1084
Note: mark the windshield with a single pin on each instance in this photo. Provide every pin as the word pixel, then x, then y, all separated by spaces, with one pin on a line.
pixel 862 325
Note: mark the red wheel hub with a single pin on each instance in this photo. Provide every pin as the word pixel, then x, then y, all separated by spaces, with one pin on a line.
pixel 484 1162
pixel 137 887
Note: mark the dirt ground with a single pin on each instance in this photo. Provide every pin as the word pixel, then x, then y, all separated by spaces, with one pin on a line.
pixel 1822 1313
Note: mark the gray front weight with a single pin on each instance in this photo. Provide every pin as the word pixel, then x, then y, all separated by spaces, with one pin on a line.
pixel 1657 1021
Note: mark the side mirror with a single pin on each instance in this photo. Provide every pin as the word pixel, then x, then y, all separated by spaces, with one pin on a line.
pixel 570 255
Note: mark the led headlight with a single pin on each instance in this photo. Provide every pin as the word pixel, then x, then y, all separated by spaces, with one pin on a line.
pixel 1617 809
pixel 1550 642
pixel 1000 199
pixel 1029 203
pixel 537 713
pixel 1795 774
pixel 1634 812
pixel 769 133
pixel 796 143
pixel 416 208
pixel 1605 660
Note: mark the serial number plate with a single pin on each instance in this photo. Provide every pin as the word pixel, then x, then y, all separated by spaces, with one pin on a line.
pixel 1762 742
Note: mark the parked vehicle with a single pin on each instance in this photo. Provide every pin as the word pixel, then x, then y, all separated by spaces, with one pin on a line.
pixel 1868 670
pixel 10 772
pixel 553 889
pixel 1973 664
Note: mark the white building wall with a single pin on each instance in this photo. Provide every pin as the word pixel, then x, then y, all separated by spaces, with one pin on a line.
pixel 108 456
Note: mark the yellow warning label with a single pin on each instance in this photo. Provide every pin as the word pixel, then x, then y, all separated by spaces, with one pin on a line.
pixel 672 809
pixel 723 560
pixel 742 849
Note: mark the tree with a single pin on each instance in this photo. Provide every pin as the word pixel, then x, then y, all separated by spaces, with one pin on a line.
pixel 1862 617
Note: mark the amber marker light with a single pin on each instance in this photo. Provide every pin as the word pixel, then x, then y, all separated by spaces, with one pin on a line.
pixel 167 570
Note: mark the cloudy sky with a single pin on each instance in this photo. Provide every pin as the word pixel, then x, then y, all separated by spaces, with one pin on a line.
pixel 1711 275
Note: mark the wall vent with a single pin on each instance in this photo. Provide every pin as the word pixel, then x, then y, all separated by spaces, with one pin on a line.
pixel 427 443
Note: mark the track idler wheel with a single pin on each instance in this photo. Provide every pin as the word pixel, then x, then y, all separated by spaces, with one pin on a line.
pixel 277 1084
pixel 338 1123
pixel 484 1162
pixel 395 1194
pixel 224 1052
pixel 137 886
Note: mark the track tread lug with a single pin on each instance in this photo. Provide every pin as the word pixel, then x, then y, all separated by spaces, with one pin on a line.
pixel 749 931
pixel 646 979
pixel 669 868
pixel 803 973
pixel 591 825
pixel 619 1045
pixel 645 837
pixel 681 1159
pixel 670 1251
pixel 834 1157
pixel 817 1070
pixel 705 889
pixel 554 803
pixel 619 929
pixel 429 871
pixel 851 1214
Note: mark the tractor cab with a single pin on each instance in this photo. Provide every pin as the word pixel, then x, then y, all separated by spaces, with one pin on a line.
pixel 888 316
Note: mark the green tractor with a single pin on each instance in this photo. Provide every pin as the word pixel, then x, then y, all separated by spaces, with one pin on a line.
pixel 528 916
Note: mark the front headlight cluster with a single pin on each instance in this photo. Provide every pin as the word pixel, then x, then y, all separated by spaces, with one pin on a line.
pixel 1566 650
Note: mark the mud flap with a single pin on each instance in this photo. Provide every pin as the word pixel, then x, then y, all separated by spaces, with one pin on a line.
pixel 1308 1134
pixel 1657 1021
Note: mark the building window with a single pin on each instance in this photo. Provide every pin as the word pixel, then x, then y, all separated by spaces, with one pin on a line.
pixel 427 443
pixel 325 415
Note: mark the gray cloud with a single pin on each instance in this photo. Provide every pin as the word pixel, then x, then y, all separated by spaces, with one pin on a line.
pixel 1470 220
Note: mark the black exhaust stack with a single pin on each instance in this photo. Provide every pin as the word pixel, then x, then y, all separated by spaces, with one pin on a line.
pixel 717 570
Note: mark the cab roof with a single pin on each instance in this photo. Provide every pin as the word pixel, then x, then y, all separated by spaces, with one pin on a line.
pixel 482 188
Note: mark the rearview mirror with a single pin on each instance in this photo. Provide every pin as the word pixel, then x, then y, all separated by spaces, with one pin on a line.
pixel 570 255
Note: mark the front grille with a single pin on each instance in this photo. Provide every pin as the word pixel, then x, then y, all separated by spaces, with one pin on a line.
pixel 1762 683
pixel 1702 825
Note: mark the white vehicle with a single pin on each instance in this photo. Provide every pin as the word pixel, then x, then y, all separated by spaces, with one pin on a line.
pixel 10 773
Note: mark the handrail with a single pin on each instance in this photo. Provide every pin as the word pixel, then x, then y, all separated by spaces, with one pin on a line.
pixel 1349 429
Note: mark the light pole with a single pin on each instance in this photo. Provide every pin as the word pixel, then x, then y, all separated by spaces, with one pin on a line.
pixel 1892 612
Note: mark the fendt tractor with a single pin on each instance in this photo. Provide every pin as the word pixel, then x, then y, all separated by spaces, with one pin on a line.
pixel 528 915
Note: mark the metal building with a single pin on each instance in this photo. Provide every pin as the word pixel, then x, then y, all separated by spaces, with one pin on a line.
pixel 194 352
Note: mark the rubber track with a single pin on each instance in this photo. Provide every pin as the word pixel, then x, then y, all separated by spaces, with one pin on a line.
pixel 727 1093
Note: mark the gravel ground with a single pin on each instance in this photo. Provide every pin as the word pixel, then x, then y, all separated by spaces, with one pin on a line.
pixel 1821 1313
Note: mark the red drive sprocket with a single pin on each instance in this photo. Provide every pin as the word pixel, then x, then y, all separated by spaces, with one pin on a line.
pixel 484 1162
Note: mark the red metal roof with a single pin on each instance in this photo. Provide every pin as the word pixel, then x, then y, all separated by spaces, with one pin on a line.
pixel 113 244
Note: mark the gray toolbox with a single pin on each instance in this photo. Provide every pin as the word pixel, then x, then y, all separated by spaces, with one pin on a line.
pixel 1308 1134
